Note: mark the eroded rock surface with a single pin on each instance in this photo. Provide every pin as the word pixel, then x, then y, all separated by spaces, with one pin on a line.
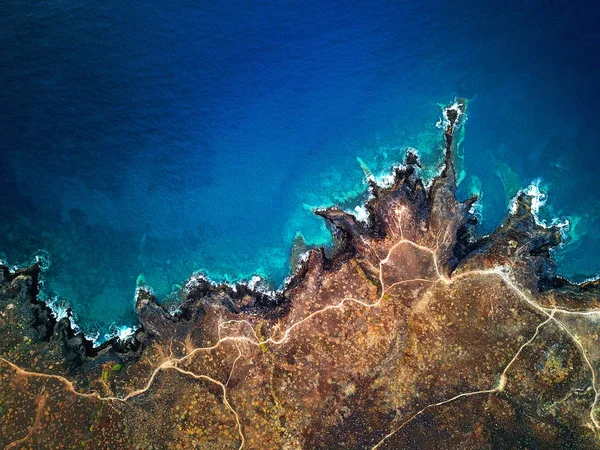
pixel 412 333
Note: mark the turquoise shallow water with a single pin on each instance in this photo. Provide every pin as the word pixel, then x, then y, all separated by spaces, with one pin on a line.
pixel 161 138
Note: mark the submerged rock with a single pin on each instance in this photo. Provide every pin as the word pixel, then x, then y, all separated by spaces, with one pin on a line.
pixel 413 332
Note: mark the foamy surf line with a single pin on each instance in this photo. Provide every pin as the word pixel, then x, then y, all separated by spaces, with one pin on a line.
pixel 538 201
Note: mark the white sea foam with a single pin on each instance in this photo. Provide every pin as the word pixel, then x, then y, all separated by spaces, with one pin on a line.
pixel 11 269
pixel 386 179
pixel 287 280
pixel 254 281
pixel 195 280
pixel 590 279
pixel 138 290
pixel 42 259
pixel 92 335
pixel 444 121
pixel 303 258
pixel 123 333
pixel 538 200
pixel 477 210
pixel 256 284
pixel 59 308
pixel 361 213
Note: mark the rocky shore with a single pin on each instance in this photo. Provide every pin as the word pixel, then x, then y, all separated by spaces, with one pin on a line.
pixel 412 332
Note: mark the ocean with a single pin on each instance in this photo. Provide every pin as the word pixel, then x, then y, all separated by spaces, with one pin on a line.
pixel 147 140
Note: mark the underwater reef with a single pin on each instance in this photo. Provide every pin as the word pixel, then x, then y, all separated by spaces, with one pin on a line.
pixel 413 331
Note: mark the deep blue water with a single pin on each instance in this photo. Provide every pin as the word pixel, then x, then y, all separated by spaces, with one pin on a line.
pixel 164 137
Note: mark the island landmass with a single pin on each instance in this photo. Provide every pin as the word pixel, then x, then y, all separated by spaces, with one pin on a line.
pixel 412 331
